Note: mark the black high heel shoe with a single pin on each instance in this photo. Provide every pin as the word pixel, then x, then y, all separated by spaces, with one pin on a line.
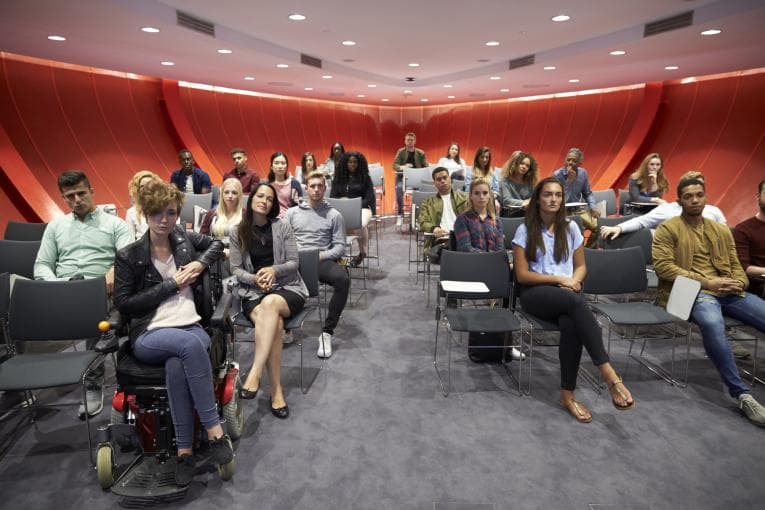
pixel 282 413
pixel 246 394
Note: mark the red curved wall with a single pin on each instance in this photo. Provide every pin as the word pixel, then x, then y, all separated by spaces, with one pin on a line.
pixel 58 116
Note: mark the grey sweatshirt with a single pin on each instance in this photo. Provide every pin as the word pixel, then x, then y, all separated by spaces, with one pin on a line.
pixel 321 228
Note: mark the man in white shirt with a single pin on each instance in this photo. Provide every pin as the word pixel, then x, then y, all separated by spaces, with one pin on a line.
pixel 437 213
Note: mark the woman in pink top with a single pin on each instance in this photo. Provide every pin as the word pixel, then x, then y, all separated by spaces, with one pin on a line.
pixel 288 189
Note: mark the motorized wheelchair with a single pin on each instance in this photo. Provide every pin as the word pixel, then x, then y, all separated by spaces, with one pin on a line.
pixel 141 420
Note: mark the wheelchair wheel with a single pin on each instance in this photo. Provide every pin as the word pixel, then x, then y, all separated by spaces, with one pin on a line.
pixel 105 466
pixel 226 471
pixel 233 412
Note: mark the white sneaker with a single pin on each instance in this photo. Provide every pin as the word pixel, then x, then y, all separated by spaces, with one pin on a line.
pixel 325 346
pixel 95 400
pixel 399 220
pixel 517 355
pixel 753 410
pixel 288 338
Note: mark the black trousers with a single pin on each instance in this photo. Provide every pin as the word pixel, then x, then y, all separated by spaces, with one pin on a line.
pixel 331 273
pixel 577 324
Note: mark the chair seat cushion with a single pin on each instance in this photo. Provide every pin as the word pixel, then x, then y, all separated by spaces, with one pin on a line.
pixel 49 370
pixel 636 313
pixel 294 322
pixel 131 371
pixel 485 320
pixel 541 324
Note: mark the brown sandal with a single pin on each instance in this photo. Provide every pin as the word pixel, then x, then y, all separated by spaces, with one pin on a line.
pixel 578 411
pixel 617 392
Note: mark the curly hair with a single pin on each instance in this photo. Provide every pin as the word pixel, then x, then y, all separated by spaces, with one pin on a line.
pixel 135 183
pixel 157 195
pixel 342 176
pixel 512 164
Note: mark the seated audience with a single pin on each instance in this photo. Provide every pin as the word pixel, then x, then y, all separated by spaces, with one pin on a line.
pixel 189 178
pixel 549 265
pixel 135 220
pixel 219 222
pixel 307 165
pixel 648 183
pixel 246 176
pixel 328 167
pixel 693 246
pixel 750 245
pixel 453 162
pixel 317 224
pixel 407 156
pixel 519 176
pixel 352 180
pixel 159 289
pixel 576 184
pixel 82 245
pixel 288 189
pixel 438 213
pixel 478 228
pixel 264 259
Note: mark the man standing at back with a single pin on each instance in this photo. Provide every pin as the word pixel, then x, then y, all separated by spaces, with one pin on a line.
pixel 318 225
pixel 576 184
pixel 437 213
pixel 189 178
pixel 82 245
pixel 249 178
pixel 750 245
pixel 695 247
pixel 407 156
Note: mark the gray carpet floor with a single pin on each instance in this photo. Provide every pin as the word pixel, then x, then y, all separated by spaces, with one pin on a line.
pixel 375 431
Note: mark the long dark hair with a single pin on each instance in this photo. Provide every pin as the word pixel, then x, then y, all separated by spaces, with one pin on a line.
pixel 332 150
pixel 248 217
pixel 448 148
pixel 534 225
pixel 342 176
pixel 271 176
pixel 477 163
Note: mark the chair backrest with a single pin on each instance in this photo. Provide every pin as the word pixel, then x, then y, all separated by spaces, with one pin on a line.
pixel 203 200
pixel 22 231
pixel 492 268
pixel 53 310
pixel 349 209
pixel 642 238
pixel 624 199
pixel 509 226
pixel 614 271
pixel 309 270
pixel 377 174
pixel 682 297
pixel 413 177
pixel 578 220
pixel 609 196
pixel 613 220
pixel 18 257
pixel 418 197
pixel 428 188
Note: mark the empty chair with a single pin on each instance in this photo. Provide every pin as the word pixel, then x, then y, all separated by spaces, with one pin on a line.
pixel 188 215
pixel 22 231
pixel 609 197
pixel 350 210
pixel 18 257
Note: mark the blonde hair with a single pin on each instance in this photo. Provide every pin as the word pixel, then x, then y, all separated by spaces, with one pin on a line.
pixel 477 182
pixel 222 220
pixel 135 183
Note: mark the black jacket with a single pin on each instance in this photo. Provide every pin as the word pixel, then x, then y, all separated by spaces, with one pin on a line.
pixel 139 288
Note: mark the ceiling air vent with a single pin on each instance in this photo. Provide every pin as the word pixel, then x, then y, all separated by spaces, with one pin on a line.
pixel 310 61
pixel 521 62
pixel 665 25
pixel 194 23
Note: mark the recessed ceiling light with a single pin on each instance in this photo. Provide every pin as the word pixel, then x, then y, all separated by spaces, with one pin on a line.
pixel 447 86
pixel 671 68
pixel 711 31
pixel 407 92
pixel 574 80
pixel 150 30
pixel 371 85
pixel 224 51
pixel 414 64
pixel 58 38
pixel 492 43
pixel 296 17
pixel 450 97
pixel 282 66
pixel 549 68
pixel 327 76
pixel 504 90
pixel 385 100
pixel 560 17
pixel 360 95
pixel 494 77
pixel 349 43
pixel 249 78
pixel 616 53
pixel 167 63
pixel 308 88
pixel 424 100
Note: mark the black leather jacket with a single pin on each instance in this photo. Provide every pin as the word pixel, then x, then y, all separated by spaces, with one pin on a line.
pixel 139 288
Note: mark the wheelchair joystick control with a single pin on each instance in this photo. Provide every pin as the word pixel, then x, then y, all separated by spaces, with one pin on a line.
pixel 103 326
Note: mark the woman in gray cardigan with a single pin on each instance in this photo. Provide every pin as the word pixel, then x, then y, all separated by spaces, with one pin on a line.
pixel 264 258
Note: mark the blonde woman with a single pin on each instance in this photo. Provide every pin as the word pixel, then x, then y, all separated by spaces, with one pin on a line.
pixel 135 219
pixel 220 221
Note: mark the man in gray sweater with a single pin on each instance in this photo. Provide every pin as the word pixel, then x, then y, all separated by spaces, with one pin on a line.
pixel 318 225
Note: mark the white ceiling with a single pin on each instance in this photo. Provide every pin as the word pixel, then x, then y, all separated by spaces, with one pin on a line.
pixel 446 37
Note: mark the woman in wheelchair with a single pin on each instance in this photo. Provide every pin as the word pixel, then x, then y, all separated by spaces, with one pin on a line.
pixel 549 264
pixel 157 288
pixel 264 259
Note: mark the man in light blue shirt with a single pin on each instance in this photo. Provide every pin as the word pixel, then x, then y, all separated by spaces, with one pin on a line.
pixel 82 245
pixel 576 186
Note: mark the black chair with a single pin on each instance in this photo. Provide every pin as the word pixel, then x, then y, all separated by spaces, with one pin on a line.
pixel 509 226
pixel 18 257
pixel 72 311
pixel 609 197
pixel 22 231
pixel 491 271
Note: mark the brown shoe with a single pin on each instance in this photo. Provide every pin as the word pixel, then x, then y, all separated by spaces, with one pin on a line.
pixel 578 411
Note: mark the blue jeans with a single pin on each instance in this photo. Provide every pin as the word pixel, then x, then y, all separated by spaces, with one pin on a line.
pixel 188 375
pixel 708 314
pixel 400 195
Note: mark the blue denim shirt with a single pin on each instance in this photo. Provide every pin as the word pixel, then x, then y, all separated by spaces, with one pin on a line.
pixel 545 262
pixel 579 190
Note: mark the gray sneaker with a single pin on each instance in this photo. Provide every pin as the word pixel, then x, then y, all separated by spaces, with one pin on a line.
pixel 753 410
pixel 95 400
